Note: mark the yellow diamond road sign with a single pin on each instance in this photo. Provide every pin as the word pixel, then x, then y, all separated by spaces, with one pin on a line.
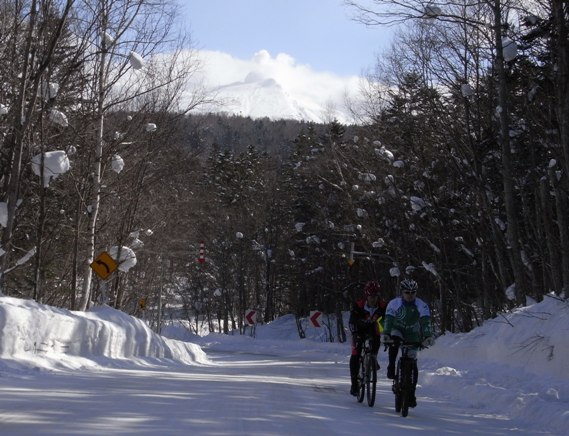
pixel 104 265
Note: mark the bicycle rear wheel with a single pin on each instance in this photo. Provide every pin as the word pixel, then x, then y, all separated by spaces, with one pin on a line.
pixel 371 379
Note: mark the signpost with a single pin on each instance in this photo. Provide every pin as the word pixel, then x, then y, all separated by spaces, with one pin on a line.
pixel 104 265
pixel 316 318
pixel 353 253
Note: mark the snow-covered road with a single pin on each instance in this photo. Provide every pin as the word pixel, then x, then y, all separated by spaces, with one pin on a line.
pixel 238 394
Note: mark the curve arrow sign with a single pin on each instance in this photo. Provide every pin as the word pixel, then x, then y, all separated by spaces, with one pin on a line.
pixel 316 318
pixel 104 265
pixel 251 317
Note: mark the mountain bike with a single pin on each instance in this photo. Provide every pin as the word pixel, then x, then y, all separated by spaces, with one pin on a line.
pixel 367 375
pixel 406 377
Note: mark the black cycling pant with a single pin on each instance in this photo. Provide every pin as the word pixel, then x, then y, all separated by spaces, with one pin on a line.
pixel 393 351
pixel 357 344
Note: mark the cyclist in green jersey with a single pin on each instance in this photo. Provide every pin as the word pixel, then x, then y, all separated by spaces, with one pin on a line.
pixel 407 318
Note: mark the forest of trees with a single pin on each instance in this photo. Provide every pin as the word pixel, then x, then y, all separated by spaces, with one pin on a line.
pixel 455 172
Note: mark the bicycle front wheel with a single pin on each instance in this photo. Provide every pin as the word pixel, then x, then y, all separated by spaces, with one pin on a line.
pixel 371 379
pixel 397 402
pixel 406 387
pixel 397 389
pixel 361 381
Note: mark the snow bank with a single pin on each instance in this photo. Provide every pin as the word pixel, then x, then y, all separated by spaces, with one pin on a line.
pixel 41 336
pixel 514 365
pixel 531 338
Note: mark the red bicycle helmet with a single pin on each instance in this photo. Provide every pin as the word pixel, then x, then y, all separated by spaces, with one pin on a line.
pixel 371 288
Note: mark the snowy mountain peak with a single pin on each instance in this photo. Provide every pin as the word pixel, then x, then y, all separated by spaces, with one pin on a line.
pixel 259 96
pixel 260 80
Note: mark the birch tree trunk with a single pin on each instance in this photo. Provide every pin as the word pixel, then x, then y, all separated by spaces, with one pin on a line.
pixel 96 193
pixel 513 232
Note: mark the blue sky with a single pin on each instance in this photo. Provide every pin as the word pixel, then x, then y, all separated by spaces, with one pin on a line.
pixel 315 33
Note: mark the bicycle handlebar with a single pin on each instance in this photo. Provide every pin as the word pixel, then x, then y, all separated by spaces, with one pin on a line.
pixel 411 344
pixel 403 343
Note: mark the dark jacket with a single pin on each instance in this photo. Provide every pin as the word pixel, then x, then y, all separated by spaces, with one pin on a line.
pixel 363 322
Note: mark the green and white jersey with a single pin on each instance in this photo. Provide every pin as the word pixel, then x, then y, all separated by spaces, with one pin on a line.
pixel 412 319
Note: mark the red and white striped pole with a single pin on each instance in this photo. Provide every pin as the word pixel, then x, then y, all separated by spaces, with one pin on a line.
pixel 201 257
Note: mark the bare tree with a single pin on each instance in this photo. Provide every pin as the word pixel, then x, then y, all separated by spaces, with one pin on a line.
pixel 129 34
pixel 30 30
pixel 560 17
pixel 102 57
pixel 468 15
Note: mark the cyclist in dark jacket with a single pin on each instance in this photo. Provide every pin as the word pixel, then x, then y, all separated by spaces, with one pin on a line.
pixel 365 320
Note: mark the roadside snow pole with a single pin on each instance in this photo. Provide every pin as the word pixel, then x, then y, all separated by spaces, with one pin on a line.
pixel 201 256
pixel 351 259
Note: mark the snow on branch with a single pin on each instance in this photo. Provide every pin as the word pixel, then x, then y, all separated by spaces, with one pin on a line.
pixel 55 163
pixel 23 260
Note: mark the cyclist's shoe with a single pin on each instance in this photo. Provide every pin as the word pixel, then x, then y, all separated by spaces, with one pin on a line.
pixel 355 388
pixel 390 371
